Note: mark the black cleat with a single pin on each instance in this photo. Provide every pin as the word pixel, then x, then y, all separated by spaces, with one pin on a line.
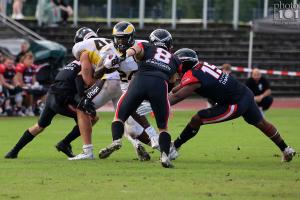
pixel 11 155
pixel 65 148
pixel 142 154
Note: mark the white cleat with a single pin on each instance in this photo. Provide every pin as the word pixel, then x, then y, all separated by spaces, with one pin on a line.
pixel 288 154
pixel 165 161
pixel 83 156
pixel 173 152
pixel 114 146
pixel 154 142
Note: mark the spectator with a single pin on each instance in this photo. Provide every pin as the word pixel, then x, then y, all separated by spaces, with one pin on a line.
pixel 260 87
pixel 45 13
pixel 17 9
pixel 12 93
pixel 24 49
pixel 65 10
pixel 3 5
pixel 226 68
pixel 25 78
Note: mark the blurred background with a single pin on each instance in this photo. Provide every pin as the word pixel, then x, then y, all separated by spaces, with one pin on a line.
pixel 242 34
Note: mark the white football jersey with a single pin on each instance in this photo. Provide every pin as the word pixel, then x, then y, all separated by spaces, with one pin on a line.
pixel 93 47
pixel 126 68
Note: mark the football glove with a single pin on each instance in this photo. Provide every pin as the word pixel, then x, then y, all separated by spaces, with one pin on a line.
pixel 144 108
pixel 87 106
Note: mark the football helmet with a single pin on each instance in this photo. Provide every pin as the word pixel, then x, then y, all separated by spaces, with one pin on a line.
pixel 123 36
pixel 161 38
pixel 188 58
pixel 84 33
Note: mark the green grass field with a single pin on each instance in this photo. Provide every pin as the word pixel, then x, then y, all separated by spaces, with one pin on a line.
pixel 231 160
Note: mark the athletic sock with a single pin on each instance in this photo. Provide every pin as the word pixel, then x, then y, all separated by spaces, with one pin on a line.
pixel 75 133
pixel 144 138
pixel 187 133
pixel 87 148
pixel 117 129
pixel 23 141
pixel 277 139
pixel 270 131
pixel 164 142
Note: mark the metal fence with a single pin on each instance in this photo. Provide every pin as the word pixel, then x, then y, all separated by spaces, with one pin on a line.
pixel 169 11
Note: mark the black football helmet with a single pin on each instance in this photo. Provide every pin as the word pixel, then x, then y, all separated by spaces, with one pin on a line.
pixel 84 33
pixel 161 38
pixel 188 58
pixel 123 36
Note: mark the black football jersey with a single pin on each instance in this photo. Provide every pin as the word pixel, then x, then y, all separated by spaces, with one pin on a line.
pixel 157 62
pixel 215 85
pixel 64 82
pixel 9 75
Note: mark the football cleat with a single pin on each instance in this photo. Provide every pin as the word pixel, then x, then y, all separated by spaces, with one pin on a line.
pixel 83 156
pixel 11 155
pixel 288 154
pixel 65 148
pixel 173 152
pixel 154 142
pixel 165 161
pixel 142 154
pixel 114 146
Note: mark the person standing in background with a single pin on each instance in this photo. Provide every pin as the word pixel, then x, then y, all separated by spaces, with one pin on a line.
pixel 3 6
pixel 17 9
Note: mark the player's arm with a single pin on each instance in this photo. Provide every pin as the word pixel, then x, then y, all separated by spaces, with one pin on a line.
pixel 137 51
pixel 86 69
pixel 182 93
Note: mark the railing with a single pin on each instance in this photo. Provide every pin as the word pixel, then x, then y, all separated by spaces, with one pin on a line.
pixel 20 28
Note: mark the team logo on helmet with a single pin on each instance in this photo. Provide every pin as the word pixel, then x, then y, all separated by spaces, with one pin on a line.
pixel 123 33
pixel 161 38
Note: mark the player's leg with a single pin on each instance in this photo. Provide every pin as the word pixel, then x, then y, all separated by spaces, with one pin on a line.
pixel 44 121
pixel 158 99
pixel 254 117
pixel 215 114
pixel 132 131
pixel 127 104
pixel 149 135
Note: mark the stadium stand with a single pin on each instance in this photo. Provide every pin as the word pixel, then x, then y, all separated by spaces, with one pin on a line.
pixel 219 44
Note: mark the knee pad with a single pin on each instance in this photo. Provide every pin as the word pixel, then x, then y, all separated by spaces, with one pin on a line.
pixel 133 128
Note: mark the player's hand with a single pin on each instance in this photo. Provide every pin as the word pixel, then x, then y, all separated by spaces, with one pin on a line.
pixel 144 108
pixel 117 60
pixel 258 98
pixel 87 106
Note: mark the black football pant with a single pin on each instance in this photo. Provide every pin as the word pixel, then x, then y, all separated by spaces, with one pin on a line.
pixel 151 88
pixel 54 105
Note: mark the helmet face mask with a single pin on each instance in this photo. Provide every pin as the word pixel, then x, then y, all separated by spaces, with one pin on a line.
pixel 84 33
pixel 122 43
pixel 161 38
pixel 123 36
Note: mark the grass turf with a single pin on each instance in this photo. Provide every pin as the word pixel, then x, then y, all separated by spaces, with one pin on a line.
pixel 230 160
